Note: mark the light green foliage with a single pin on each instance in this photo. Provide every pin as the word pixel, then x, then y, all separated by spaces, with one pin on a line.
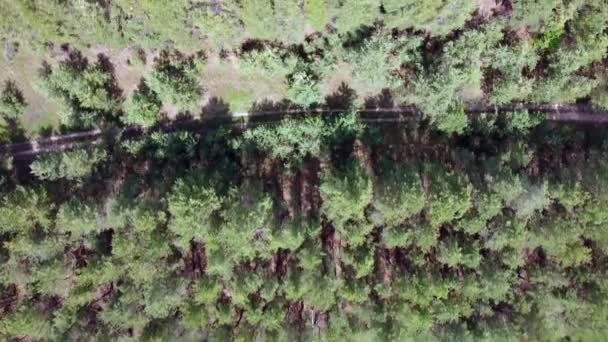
pixel 36 21
pixel 269 62
pixel 69 165
pixel 23 209
pixel 361 259
pixel 570 195
pixel 154 23
pixel 511 62
pixel 453 254
pixel 193 205
pixel 222 29
pixel 449 195
pixel 258 19
pixel 77 218
pixel 562 83
pixel 439 17
pixel 290 19
pixel 375 64
pixel 248 225
pixel 304 89
pixel 498 234
pixel 87 91
pixel 521 122
pixel 163 298
pixel 345 196
pixel 454 121
pixel 439 95
pixel 26 322
pixel 142 108
pixel 533 13
pixel 399 236
pixel 291 140
pixel 292 235
pixel 533 199
pixel 316 14
pixel 239 100
pixel 12 103
pixel 398 196
pixel 560 239
pixel 175 79
pixel 349 15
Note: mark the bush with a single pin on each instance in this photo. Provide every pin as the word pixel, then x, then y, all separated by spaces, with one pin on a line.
pixel 304 90
pixel 175 80
pixel 375 64
pixel 142 108
pixel 88 92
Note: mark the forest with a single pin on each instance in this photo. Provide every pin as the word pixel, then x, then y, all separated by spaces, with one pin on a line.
pixel 307 170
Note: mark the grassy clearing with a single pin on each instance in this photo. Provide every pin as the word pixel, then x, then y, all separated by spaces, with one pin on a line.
pixel 223 80
pixel 40 112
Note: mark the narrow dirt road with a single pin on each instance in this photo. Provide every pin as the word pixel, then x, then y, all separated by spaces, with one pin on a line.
pixel 554 112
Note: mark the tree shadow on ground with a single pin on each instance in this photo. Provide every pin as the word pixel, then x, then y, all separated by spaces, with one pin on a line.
pixel 270 106
pixel 382 100
pixel 46 131
pixel 215 107
pixel 104 63
pixel 342 98
pixel 16 133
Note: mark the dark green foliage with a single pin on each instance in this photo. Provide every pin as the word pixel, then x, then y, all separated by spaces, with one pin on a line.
pixel 12 102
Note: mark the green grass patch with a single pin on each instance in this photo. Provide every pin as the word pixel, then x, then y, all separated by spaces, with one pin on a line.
pixel 316 14
pixel 239 100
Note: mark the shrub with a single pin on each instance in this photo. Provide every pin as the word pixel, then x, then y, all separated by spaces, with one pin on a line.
pixel 304 90
pixel 175 80
pixel 142 108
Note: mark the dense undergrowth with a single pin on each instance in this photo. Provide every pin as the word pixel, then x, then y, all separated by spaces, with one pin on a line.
pixel 325 230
